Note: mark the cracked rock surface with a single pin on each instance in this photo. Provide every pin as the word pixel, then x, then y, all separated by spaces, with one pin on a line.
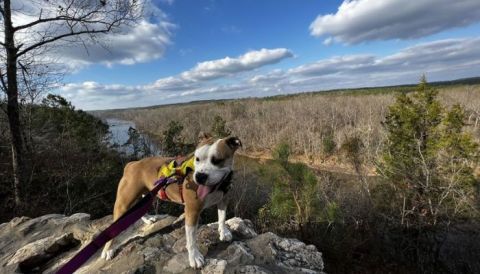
pixel 43 244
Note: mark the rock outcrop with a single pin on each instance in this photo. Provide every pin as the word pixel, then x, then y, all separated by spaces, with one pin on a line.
pixel 44 244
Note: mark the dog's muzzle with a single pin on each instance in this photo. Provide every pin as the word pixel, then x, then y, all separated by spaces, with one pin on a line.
pixel 201 178
pixel 223 185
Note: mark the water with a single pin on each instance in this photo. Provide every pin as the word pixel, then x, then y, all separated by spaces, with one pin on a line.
pixel 119 139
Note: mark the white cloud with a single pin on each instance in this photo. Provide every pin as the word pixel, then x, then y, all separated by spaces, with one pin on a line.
pixel 127 45
pixel 440 60
pixel 444 59
pixel 364 20
pixel 141 43
pixel 219 68
pixel 222 67
pixel 191 83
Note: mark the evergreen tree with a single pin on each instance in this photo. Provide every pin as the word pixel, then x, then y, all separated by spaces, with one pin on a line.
pixel 172 140
pixel 294 196
pixel 428 158
pixel 219 128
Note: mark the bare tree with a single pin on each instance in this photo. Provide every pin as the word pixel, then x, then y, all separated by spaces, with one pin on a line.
pixel 31 29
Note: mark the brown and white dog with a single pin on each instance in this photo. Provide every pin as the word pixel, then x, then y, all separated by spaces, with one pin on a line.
pixel 213 164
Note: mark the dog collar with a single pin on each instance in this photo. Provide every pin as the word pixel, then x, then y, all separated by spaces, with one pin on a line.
pixel 226 183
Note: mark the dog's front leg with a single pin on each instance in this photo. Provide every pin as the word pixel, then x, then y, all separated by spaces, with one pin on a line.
pixel 223 231
pixel 195 258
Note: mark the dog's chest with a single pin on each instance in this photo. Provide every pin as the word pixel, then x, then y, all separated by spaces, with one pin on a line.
pixel 213 198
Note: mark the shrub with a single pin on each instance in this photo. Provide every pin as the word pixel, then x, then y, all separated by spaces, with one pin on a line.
pixel 281 153
pixel 293 198
pixel 172 141
pixel 328 142
pixel 141 145
pixel 219 128
pixel 352 148
pixel 428 158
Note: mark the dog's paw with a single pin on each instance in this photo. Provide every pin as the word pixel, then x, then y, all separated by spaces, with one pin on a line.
pixel 196 259
pixel 225 235
pixel 107 254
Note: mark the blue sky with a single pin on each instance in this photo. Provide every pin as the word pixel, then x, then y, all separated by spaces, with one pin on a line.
pixel 212 49
pixel 207 30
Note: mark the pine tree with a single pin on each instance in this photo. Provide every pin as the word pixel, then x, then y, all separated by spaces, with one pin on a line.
pixel 294 195
pixel 428 158
pixel 219 128
pixel 172 141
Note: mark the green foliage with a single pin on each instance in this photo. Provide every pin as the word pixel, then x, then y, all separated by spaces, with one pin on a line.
pixel 328 141
pixel 281 153
pixel 332 212
pixel 141 145
pixel 352 148
pixel 172 140
pixel 56 101
pixel 294 195
pixel 428 158
pixel 57 119
pixel 73 168
pixel 219 128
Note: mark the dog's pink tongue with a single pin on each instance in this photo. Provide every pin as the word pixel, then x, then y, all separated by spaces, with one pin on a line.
pixel 203 191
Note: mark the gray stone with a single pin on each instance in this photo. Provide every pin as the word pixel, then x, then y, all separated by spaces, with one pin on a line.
pixel 243 228
pixel 46 243
pixel 214 266
pixel 237 253
pixel 252 269
pixel 177 264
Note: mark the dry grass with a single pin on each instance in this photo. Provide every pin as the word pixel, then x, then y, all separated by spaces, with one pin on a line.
pixel 303 121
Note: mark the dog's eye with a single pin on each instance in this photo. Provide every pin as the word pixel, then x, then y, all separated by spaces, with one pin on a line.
pixel 216 161
pixel 197 159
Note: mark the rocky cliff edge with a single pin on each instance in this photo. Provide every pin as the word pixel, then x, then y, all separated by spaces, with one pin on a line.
pixel 43 244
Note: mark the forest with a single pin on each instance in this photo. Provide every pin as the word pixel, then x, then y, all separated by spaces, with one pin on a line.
pixel 377 180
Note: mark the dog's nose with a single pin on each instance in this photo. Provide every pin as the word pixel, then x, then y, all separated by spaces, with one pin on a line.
pixel 201 178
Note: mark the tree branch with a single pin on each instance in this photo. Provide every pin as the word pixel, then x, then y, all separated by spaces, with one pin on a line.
pixel 66 18
pixel 46 20
pixel 2 80
pixel 53 39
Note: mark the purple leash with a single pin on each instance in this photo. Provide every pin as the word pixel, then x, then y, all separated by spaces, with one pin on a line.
pixel 131 216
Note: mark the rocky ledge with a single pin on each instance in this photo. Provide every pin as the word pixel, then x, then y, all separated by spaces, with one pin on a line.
pixel 43 244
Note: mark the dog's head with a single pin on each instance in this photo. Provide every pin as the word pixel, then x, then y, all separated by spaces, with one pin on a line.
pixel 213 160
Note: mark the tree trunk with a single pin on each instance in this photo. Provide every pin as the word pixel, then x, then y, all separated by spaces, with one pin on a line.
pixel 13 113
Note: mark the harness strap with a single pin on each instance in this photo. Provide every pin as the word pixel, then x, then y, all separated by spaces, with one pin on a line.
pixel 131 216
pixel 180 189
pixel 163 195
pixel 127 219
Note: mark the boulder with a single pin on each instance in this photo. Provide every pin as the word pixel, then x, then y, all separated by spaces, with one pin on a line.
pixel 44 244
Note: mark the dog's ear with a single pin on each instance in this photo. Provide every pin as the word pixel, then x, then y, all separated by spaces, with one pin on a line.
pixel 233 142
pixel 203 136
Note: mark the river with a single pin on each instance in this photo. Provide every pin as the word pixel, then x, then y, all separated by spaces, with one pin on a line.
pixel 119 138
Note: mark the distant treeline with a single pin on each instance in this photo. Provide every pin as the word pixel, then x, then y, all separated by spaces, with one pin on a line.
pixel 352 91
pixel 315 125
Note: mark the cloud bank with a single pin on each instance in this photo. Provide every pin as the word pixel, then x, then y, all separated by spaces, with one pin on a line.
pixel 219 68
pixel 358 21
pixel 440 60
